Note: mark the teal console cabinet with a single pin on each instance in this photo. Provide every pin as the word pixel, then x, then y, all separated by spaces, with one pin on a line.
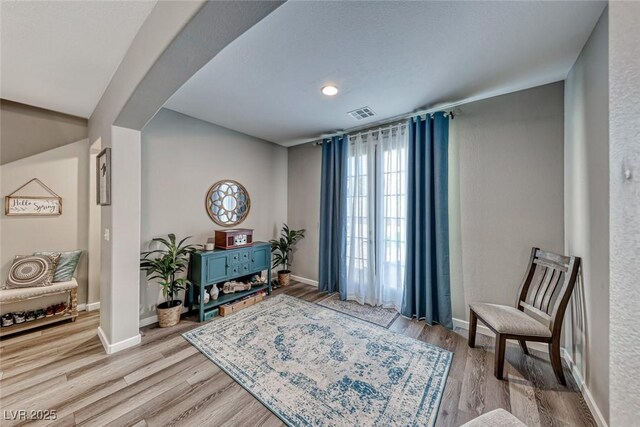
pixel 207 268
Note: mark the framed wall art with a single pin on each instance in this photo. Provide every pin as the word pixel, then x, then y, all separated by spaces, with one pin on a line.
pixel 103 180
pixel 27 205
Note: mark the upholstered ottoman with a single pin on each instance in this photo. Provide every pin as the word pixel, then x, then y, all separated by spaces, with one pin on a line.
pixel 23 299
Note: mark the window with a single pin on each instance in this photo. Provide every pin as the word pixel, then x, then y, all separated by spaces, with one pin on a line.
pixel 376 216
pixel 358 212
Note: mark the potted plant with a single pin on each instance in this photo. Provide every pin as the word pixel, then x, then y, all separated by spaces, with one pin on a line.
pixel 282 249
pixel 168 262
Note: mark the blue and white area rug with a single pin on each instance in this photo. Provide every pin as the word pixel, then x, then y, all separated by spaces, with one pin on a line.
pixel 312 366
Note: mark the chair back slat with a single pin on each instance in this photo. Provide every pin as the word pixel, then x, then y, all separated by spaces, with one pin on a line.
pixel 542 289
pixel 551 290
pixel 547 286
pixel 537 278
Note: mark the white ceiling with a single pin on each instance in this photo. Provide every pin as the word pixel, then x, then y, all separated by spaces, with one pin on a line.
pixel 61 55
pixel 395 57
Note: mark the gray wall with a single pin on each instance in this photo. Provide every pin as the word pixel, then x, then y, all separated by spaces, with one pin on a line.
pixel 624 213
pixel 508 152
pixel 181 158
pixel 586 201
pixel 28 130
pixel 304 206
pixel 66 171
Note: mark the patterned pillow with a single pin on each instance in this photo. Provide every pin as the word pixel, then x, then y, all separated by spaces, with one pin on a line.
pixel 66 266
pixel 28 271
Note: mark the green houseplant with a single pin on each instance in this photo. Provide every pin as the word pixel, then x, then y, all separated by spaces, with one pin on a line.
pixel 282 248
pixel 164 265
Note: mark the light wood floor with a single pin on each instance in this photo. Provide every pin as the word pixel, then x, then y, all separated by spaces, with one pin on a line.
pixel 166 381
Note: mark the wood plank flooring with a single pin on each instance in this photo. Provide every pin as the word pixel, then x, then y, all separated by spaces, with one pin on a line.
pixel 165 381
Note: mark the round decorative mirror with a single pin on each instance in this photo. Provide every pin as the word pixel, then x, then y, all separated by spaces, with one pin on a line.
pixel 228 203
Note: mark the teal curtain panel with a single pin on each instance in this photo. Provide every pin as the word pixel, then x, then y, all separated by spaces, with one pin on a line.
pixel 333 211
pixel 427 293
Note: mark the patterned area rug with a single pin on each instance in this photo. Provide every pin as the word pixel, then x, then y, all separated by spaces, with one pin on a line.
pixel 316 367
pixel 380 316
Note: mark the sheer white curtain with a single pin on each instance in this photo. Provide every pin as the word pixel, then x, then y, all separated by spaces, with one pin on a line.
pixel 376 216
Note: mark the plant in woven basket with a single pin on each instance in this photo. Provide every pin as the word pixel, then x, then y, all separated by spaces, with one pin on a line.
pixel 282 248
pixel 167 265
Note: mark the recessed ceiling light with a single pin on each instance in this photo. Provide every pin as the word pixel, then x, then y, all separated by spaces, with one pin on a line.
pixel 330 90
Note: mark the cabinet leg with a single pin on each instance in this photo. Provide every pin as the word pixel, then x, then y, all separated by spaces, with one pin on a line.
pixel 203 289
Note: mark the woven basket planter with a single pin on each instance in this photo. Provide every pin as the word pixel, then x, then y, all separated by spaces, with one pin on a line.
pixel 169 316
pixel 284 276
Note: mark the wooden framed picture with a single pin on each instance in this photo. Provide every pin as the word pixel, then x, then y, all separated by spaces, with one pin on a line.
pixel 25 205
pixel 103 180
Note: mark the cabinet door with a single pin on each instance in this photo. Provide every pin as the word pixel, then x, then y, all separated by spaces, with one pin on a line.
pixel 245 268
pixel 216 268
pixel 261 257
pixel 234 257
pixel 239 256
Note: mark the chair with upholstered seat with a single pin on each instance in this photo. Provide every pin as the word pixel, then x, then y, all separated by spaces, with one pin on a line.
pixel 537 316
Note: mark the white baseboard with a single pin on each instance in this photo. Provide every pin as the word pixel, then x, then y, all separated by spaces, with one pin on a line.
pixel 481 329
pixel 89 307
pixel 304 280
pixel 148 321
pixel 586 393
pixel 588 398
pixel 119 346
pixel 92 306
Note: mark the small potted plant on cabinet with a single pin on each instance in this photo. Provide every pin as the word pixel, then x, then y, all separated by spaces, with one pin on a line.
pixel 165 264
pixel 282 249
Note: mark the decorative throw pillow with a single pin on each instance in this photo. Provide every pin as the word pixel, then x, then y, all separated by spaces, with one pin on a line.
pixel 29 271
pixel 66 265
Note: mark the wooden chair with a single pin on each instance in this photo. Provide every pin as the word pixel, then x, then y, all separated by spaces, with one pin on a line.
pixel 542 298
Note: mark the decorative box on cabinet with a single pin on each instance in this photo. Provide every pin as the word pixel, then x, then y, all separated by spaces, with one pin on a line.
pixel 208 268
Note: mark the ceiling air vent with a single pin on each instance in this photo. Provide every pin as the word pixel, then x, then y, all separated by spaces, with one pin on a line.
pixel 362 113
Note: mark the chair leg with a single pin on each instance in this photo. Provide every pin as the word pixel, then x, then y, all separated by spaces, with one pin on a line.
pixel 473 324
pixel 501 343
pixel 556 361
pixel 523 345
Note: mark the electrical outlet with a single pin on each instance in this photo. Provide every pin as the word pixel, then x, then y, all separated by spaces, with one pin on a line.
pixel 106 234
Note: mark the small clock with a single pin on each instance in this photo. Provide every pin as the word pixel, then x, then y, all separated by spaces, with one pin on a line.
pixel 235 238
